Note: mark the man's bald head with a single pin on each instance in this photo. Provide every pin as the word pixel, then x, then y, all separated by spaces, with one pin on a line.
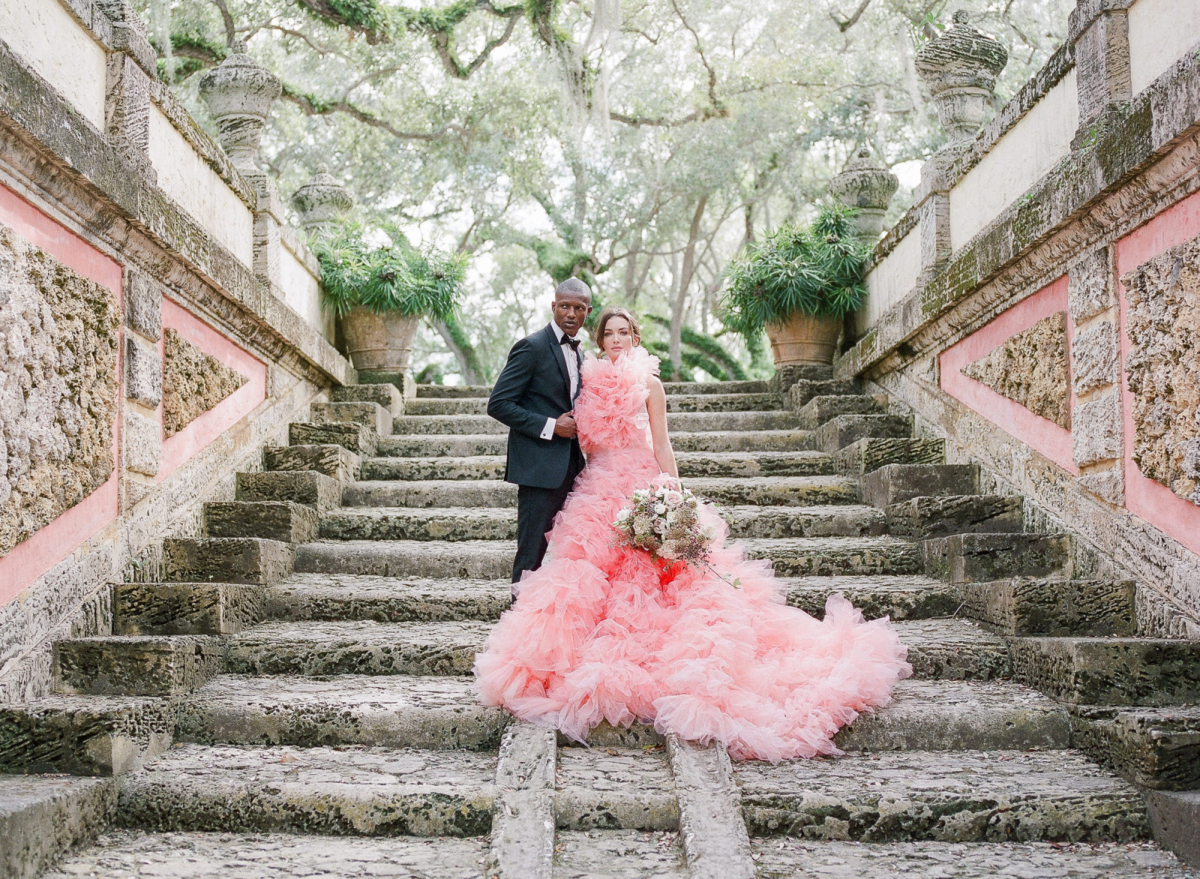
pixel 571 306
pixel 573 287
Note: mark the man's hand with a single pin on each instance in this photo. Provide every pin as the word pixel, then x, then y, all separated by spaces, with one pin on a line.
pixel 564 425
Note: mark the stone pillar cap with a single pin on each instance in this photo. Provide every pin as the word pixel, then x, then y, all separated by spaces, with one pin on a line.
pixel 240 86
pixel 322 198
pixel 962 57
pixel 865 183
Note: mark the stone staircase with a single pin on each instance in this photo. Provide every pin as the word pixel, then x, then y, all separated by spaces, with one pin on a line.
pixel 294 699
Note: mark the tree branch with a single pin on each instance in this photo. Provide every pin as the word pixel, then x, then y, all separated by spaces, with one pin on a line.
pixel 442 45
pixel 850 22
pixel 227 20
pixel 313 106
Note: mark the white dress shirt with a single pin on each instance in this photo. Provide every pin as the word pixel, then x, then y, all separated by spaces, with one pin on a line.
pixel 572 373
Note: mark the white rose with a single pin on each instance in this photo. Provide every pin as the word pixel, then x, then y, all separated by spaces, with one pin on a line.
pixel 659 509
pixel 624 515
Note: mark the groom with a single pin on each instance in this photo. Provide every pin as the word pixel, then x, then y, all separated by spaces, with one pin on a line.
pixel 535 396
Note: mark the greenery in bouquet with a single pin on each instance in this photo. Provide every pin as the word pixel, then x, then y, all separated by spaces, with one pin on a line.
pixel 814 269
pixel 665 522
pixel 392 277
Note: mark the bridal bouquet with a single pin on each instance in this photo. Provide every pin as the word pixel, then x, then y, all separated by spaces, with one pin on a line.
pixel 665 521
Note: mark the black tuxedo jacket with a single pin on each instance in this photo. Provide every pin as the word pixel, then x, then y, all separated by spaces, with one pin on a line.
pixel 533 386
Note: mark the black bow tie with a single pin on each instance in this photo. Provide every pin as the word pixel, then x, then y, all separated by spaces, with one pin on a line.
pixel 567 340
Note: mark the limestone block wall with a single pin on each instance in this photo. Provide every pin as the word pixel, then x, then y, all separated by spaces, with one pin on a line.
pixel 148 349
pixel 1056 346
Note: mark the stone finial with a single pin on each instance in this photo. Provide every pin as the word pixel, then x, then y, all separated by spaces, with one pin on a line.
pixel 239 94
pixel 960 67
pixel 321 201
pixel 868 187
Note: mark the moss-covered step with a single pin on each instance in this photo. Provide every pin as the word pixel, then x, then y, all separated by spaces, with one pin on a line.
pixel 903 597
pixel 965 796
pixel 350 791
pixel 386 395
pixel 1158 748
pixel 792 857
pixel 375 417
pixel 963 558
pixel 416 523
pixel 960 716
pixel 964 514
pixel 427 391
pixel 735 387
pixel 447 406
pixel 896 483
pixel 722 402
pixel 347 597
pixel 359 647
pixel 830 556
pixel 848 520
pixel 185 608
pixel 954 650
pixel 84 735
pixel 741 441
pixel 329 459
pixel 839 432
pixel 1037 606
pixel 785 491
pixel 466 559
pixel 868 454
pixel 1110 671
pixel 361 439
pixel 619 854
pixel 615 789
pixel 823 407
pixel 42 816
pixel 431 493
pixel 310 488
pixel 126 854
pixel 286 521
pixel 226 559
pixel 804 390
pixel 490 467
pixel 135 666
pixel 442 446
pixel 676 421
pixel 399 711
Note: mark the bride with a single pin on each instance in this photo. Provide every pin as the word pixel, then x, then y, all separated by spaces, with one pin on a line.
pixel 603 632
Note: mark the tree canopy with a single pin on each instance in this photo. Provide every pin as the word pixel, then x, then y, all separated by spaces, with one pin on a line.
pixel 638 144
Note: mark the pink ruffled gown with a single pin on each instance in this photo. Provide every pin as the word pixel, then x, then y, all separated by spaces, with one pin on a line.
pixel 601 632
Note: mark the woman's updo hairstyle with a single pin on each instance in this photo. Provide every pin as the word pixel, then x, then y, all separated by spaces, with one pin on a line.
pixel 607 314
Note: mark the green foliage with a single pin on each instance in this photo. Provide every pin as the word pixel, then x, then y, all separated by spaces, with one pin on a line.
pixel 721 364
pixel 366 16
pixel 815 270
pixel 394 278
pixel 663 352
pixel 560 261
pixel 463 342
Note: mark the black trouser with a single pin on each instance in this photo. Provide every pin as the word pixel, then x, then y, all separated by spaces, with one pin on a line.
pixel 536 509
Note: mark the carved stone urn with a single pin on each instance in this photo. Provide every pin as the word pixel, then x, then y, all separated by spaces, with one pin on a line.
pixel 868 187
pixel 321 202
pixel 960 67
pixel 239 94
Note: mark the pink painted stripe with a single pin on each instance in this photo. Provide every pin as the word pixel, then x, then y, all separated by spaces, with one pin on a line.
pixel 1038 433
pixel 1145 498
pixel 57 540
pixel 193 438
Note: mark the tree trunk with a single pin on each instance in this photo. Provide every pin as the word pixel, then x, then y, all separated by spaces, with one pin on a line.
pixel 466 357
pixel 679 306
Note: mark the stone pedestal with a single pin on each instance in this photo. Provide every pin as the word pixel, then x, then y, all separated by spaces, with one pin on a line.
pixel 868 187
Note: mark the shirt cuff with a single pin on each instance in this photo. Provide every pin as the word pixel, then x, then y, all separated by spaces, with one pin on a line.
pixel 548 430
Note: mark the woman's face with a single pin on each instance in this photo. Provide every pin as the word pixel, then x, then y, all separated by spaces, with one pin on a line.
pixel 618 337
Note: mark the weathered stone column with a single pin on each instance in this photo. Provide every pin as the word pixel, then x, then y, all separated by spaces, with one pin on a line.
pixel 239 94
pixel 960 68
pixel 321 203
pixel 868 187
pixel 141 440
pixel 1098 31
pixel 130 76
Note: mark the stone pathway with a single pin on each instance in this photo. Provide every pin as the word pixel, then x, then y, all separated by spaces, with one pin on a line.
pixel 296 700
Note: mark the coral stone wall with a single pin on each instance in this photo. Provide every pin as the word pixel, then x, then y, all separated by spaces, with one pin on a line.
pixel 58 388
pixel 193 382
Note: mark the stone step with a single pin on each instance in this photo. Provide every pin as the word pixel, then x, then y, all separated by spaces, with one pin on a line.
pixel 43 816
pixel 84 735
pixel 375 417
pixel 185 608
pixel 347 597
pixel 135 666
pixel 968 796
pixel 824 407
pixel 1110 671
pixel 490 467
pixel 226 559
pixel 125 854
pixel 676 421
pixel 763 402
pixel 1158 748
pixel 960 716
pixel 351 435
pixel 734 387
pixel 447 406
pixel 830 556
pixel 385 395
pixel 285 521
pixel 839 432
pixel 615 789
pixel 954 650
pixel 963 558
pixel 618 854
pixel 359 647
pixel 792 857
pixel 784 491
pixel 963 514
pixel 310 488
pixel 434 713
pixel 1036 606
pixel 898 597
pixel 453 390
pixel 896 483
pixel 464 559
pixel 848 520
pixel 467 445
pixel 865 455
pixel 349 791
pixel 805 389
pixel 330 460
pixel 445 446
pixel 741 441
pixel 430 493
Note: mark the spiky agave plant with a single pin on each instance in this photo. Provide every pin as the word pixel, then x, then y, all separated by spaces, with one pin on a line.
pixel 814 269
